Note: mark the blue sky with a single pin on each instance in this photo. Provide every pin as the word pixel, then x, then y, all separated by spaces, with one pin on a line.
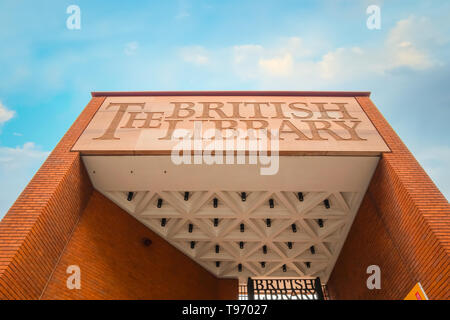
pixel 48 71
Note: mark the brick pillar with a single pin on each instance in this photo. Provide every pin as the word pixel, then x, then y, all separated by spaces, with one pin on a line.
pixel 35 249
pixel 37 227
pixel 402 226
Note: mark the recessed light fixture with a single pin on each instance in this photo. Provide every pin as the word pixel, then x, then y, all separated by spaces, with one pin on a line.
pixel 320 223
pixel 130 196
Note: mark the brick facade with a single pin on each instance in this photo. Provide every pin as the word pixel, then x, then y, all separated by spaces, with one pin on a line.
pixel 35 234
pixel 403 226
pixel 108 247
pixel 37 227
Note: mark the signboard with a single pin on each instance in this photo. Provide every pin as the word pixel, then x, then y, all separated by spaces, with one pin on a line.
pixel 284 289
pixel 301 125
pixel 417 293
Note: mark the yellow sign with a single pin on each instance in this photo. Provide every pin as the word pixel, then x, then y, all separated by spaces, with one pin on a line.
pixel 417 293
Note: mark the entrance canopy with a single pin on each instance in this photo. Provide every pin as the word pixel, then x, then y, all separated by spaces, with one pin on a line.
pixel 260 184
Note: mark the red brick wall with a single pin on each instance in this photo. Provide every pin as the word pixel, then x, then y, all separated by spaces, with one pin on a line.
pixel 38 225
pixel 403 226
pixel 108 247
pixel 37 228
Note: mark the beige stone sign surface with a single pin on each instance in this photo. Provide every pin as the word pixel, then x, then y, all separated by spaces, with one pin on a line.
pixel 301 125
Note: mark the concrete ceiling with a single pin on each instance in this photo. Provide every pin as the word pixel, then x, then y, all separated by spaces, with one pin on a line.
pixel 207 225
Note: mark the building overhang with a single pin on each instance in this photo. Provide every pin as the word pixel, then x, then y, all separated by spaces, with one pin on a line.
pixel 295 219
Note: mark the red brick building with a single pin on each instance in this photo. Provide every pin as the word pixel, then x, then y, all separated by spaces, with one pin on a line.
pixel 348 194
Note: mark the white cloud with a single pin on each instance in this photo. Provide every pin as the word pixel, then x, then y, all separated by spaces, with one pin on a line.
pixel 291 62
pixel 403 48
pixel 278 66
pixel 5 113
pixel 406 44
pixel 244 60
pixel 131 48
pixel 195 54
pixel 256 61
pixel 183 10
pixel 244 52
pixel 11 158
pixel 182 14
pixel 419 31
pixel 406 55
pixel 17 167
